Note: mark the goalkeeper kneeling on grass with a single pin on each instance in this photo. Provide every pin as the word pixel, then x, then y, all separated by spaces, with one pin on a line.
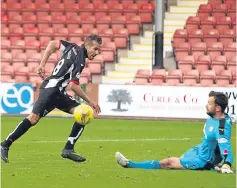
pixel 213 153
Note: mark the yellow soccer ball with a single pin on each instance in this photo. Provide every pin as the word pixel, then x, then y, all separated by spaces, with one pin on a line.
pixel 83 114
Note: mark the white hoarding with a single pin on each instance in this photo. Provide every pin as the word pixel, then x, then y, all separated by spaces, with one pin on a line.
pixel 16 98
pixel 158 101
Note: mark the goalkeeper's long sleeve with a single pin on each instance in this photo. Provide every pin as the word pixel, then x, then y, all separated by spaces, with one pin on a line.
pixel 224 142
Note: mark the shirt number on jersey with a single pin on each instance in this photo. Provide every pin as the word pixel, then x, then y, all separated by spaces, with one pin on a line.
pixel 58 67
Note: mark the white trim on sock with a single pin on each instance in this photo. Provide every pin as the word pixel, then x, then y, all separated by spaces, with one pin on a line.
pixel 72 139
pixel 14 130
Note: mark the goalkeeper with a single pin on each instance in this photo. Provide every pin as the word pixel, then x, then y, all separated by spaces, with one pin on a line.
pixel 213 153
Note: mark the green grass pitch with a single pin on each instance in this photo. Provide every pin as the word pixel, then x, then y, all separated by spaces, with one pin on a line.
pixel 35 159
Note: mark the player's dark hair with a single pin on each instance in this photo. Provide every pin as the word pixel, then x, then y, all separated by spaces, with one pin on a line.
pixel 92 38
pixel 220 99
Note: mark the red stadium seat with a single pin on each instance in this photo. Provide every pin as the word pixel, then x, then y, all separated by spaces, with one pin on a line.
pixel 115 7
pixel 16 30
pixel 29 18
pixel 215 49
pixel 6 57
pixel 193 22
pixel 108 51
pixel 14 18
pixel 4 31
pixel 61 32
pixel 32 44
pixel 44 19
pixel 130 9
pixel 219 10
pixel 142 76
pixel 232 67
pixel 223 23
pixel 174 77
pixel 208 22
pixel 186 64
pixel 224 78
pixel 103 22
pixel 195 36
pixel 158 76
pixel 85 7
pixel 198 49
pixel 27 6
pixel 230 50
pixel 204 10
pixel 121 37
pixel 106 33
pixel 14 6
pixel 71 7
pixel 47 31
pixel 191 78
pixel 5 77
pixel 180 36
pixel 17 65
pixel 203 63
pixel 227 36
pixel 42 6
pixel 211 35
pixel 145 12
pixel 56 7
pixel 7 70
pixel 101 7
pixel 133 25
pixel 118 22
pixel 30 31
pixel 207 77
pixel 218 64
pixel 182 50
pixel 5 44
pixel 18 44
pixel 88 22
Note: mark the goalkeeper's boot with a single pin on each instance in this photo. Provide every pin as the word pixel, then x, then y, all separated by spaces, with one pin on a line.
pixel 123 161
pixel 4 153
pixel 70 154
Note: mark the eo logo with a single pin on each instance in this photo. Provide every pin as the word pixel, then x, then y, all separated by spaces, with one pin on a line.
pixel 17 98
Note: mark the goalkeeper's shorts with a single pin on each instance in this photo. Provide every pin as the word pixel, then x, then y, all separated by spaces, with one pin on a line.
pixel 191 161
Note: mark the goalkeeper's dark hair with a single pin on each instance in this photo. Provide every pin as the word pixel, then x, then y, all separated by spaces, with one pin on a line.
pixel 220 99
pixel 92 38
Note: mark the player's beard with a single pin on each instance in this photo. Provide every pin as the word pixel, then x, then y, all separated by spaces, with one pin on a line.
pixel 211 114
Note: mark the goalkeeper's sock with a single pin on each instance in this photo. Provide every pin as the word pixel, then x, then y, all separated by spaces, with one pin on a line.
pixel 154 164
pixel 76 132
pixel 21 129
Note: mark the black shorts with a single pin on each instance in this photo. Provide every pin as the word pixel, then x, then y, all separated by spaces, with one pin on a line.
pixel 50 99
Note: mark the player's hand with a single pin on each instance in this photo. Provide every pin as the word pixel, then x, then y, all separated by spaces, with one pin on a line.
pixel 95 106
pixel 225 168
pixel 41 71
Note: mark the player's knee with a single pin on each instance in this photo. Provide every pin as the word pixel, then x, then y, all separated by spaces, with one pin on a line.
pixel 33 118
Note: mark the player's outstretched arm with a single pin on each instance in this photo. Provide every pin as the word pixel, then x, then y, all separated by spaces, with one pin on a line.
pixel 77 89
pixel 51 48
pixel 224 144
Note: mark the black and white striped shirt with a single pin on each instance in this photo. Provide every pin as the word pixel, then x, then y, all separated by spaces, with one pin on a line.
pixel 68 68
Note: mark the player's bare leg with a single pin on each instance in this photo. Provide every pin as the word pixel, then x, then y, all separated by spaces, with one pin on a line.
pixel 20 130
pixel 169 163
pixel 68 151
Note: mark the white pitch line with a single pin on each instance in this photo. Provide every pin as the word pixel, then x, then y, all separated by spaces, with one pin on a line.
pixel 114 140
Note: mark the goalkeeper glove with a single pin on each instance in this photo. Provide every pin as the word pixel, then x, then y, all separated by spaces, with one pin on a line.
pixel 225 168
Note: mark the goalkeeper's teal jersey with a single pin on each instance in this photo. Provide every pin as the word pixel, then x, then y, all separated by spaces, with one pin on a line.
pixel 217 132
